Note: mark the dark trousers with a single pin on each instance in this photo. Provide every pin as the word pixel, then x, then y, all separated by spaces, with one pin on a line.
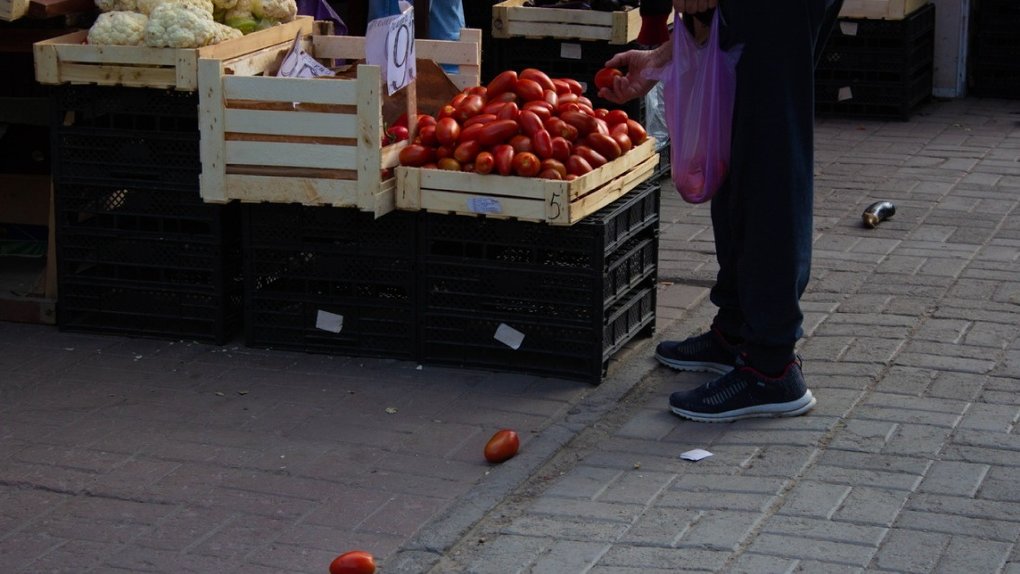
pixel 762 215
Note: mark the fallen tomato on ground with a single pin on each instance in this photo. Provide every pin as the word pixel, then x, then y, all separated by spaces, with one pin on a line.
pixel 353 562
pixel 502 446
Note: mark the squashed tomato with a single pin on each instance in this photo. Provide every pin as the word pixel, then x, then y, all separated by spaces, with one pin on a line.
pixel 503 445
pixel 353 562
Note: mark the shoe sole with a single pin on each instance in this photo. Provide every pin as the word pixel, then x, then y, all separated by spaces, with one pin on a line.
pixel 694 366
pixel 773 410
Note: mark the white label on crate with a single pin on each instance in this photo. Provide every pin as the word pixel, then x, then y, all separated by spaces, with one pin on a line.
pixel 298 64
pixel 509 336
pixel 570 51
pixel 845 93
pixel 848 28
pixel 389 43
pixel 327 321
pixel 484 205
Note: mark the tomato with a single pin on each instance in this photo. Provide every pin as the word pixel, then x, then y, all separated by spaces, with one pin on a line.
pixel 528 90
pixel 467 151
pixel 509 112
pixel 493 107
pixel 504 97
pixel 478 91
pixel 562 87
pixel 577 166
pixel 550 174
pixel 479 119
pixel 584 101
pixel 470 166
pixel 594 158
pixel 469 107
pixel 605 145
pixel 541 141
pixel 623 140
pixel 397 133
pixel 560 128
pixel 555 165
pixel 353 562
pixel 447 131
pixel 570 98
pixel 504 156
pixel 503 445
pixel 430 165
pixel 541 109
pixel 551 97
pixel 415 155
pixel 601 126
pixel 530 122
pixel 446 112
pixel 540 77
pixel 426 120
pixel 443 151
pixel 637 132
pixel 470 133
pixel 575 86
pixel 449 164
pixel 584 123
pixel 503 82
pixel 615 117
pixel 497 132
pixel 484 162
pixel 456 100
pixel 520 143
pixel 561 148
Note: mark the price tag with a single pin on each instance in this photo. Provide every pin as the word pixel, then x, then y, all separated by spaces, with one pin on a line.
pixel 326 321
pixel 389 44
pixel 845 93
pixel 509 336
pixel 298 64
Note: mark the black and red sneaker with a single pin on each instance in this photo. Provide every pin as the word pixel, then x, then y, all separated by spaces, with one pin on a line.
pixel 708 352
pixel 745 393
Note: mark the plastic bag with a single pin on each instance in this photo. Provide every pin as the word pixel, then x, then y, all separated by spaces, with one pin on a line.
pixel 699 87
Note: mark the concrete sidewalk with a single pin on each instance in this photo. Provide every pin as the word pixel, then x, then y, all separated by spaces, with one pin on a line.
pixel 122 455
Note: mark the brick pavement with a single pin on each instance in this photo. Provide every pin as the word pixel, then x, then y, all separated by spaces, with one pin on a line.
pixel 121 455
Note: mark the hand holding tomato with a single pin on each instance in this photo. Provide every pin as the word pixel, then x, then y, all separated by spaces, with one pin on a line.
pixel 604 78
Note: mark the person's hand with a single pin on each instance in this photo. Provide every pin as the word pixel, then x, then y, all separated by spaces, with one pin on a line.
pixel 633 84
pixel 693 6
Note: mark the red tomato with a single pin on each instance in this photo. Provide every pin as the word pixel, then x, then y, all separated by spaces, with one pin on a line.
pixel 550 97
pixel 470 133
pixel 509 112
pixel 570 98
pixel 623 140
pixel 541 109
pixel 528 90
pixel 467 151
pixel 520 143
pixel 504 444
pixel 562 87
pixel 540 77
pixel 504 97
pixel 401 120
pixel 555 165
pixel 530 122
pixel 447 131
pixel 397 133
pixel 484 162
pixel 479 119
pixel 443 151
pixel 504 156
pixel 478 91
pixel 449 164
pixel 559 128
pixel 415 155
pixel 497 132
pixel 550 174
pixel 353 562
pixel 575 86
pixel 637 132
pixel 561 148
pixel 584 123
pixel 493 107
pixel 605 145
pixel 577 166
pixel 616 117
pixel 584 101
pixel 426 120
pixel 594 158
pixel 541 141
pixel 456 100
pixel 469 107
pixel 503 82
pixel 446 112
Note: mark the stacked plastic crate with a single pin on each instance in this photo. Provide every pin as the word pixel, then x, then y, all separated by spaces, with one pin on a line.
pixel 881 68
pixel 138 251
pixel 995 58
pixel 529 297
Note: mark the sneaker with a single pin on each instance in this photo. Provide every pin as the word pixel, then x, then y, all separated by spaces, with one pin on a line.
pixel 745 393
pixel 708 352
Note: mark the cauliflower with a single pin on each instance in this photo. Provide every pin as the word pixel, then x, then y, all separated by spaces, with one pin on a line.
pixel 179 25
pixel 118 28
pixel 250 15
pixel 147 6
pixel 279 10
pixel 116 5
pixel 240 17
pixel 224 32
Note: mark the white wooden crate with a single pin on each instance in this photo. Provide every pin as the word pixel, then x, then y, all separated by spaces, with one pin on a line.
pixel 511 18
pixel 879 9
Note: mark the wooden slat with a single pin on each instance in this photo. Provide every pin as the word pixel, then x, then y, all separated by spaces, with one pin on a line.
pixel 880 9
pixel 292 155
pixel 50 8
pixel 13 9
pixel 248 188
pixel 368 153
pixel 212 150
pixel 120 75
pixel 272 89
pixel 290 123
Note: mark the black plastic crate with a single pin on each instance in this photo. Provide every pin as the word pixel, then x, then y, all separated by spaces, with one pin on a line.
pixel 561 286
pixel 138 311
pixel 308 268
pixel 126 136
pixel 577 59
pixel 147 262
pixel 873 99
pixel 561 350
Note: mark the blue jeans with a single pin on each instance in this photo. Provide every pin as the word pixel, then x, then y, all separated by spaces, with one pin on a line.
pixel 762 215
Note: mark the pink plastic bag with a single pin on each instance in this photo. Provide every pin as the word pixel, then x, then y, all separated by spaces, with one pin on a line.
pixel 698 92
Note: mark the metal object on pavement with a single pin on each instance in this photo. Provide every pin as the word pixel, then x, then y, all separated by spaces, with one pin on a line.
pixel 878 212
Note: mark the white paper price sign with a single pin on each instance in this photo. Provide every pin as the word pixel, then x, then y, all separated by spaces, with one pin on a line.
pixel 389 44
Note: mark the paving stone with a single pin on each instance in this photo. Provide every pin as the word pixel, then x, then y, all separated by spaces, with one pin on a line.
pixel 748 563
pixel 966 553
pixel 638 487
pixel 911 551
pixel 566 528
pixel 677 559
pixel 796 547
pixel 809 529
pixel 660 526
pixel 872 506
pixel 569 557
pixel 954 478
pixel 586 482
pixel 984 527
pixel 814 499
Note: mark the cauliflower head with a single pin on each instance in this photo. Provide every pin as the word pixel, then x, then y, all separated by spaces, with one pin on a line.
pixel 116 5
pixel 224 32
pixel 118 28
pixel 279 10
pixel 147 6
pixel 179 25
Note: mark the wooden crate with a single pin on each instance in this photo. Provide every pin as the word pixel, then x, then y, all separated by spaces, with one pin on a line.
pixel 309 141
pixel 68 59
pixel 13 9
pixel 511 18
pixel 879 9
pixel 525 198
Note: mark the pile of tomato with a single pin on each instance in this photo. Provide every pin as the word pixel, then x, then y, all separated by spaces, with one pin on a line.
pixel 525 124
